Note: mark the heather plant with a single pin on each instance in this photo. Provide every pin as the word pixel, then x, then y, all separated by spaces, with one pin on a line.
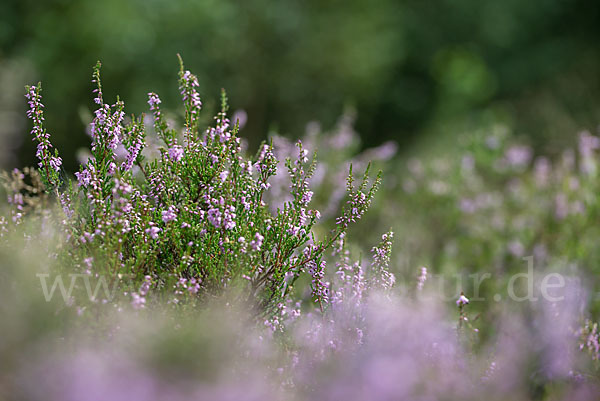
pixel 191 212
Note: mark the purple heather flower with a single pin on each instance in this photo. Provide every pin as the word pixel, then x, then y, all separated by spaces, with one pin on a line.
pixel 381 260
pixel 135 147
pixel 193 286
pixel 176 153
pixel 157 186
pixel 35 113
pixel 256 243
pixel 169 214
pixel 214 217
pixel 153 231
pixel 242 242
pixel 229 218
pixel 145 287
pixel 303 155
pixel 266 162
pixel 154 102
pixel 83 177
pixel 462 300
pixel 356 207
pixel 320 288
pixel 294 231
pixel 188 92
pixel 112 167
pixel 247 205
pixel 187 85
pixel 65 202
pixel 106 128
pixel 306 197
pixel 55 163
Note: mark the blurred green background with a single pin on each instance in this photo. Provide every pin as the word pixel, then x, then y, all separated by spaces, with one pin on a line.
pixel 415 71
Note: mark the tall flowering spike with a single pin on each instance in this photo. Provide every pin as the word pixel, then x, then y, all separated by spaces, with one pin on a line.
pixel 101 115
pixel 381 276
pixel 107 133
pixel 223 124
pixel 96 79
pixel 134 143
pixel 222 132
pixel 316 268
pixel 360 198
pixel 154 102
pixel 300 176
pixel 160 125
pixel 266 165
pixel 50 162
pixel 188 83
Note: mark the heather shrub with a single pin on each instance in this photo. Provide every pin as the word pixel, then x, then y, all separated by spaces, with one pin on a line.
pixel 191 210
